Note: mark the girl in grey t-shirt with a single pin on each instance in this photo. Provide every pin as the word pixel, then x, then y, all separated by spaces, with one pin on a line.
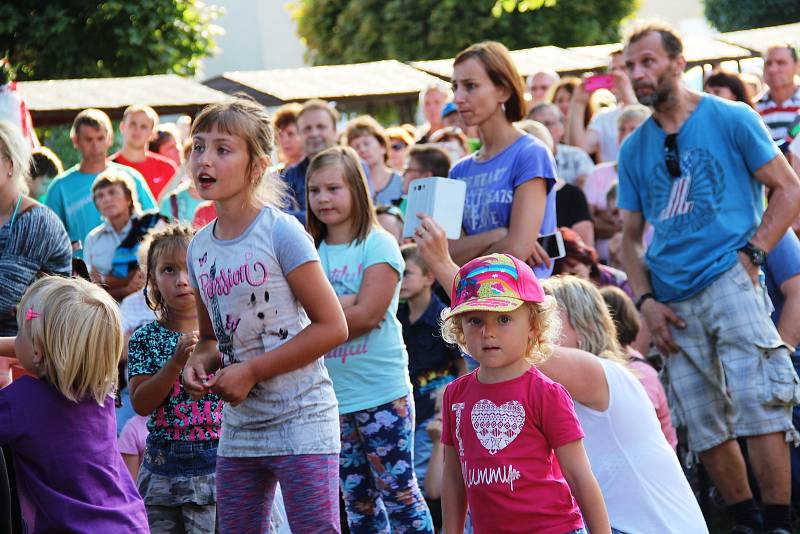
pixel 266 314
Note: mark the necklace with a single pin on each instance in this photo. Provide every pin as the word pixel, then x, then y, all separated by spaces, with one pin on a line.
pixel 16 207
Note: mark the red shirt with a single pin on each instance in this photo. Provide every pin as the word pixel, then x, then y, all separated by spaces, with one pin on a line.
pixel 505 434
pixel 156 169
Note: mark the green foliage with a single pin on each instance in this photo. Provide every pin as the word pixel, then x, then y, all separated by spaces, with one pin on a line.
pixel 509 6
pixel 343 31
pixel 57 39
pixel 732 15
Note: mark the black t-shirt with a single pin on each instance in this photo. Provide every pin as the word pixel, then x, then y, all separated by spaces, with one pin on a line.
pixel 571 206
pixel 431 361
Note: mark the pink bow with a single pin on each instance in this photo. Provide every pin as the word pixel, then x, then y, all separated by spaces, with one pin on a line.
pixel 32 314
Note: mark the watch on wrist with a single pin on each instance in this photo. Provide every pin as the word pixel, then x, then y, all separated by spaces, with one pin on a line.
pixel 756 255
pixel 642 299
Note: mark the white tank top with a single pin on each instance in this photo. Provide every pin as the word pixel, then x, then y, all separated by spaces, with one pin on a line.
pixel 642 483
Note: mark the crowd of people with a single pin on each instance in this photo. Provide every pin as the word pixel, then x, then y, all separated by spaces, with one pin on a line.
pixel 222 327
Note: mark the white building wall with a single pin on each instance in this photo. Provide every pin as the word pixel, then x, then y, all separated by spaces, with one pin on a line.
pixel 685 15
pixel 259 34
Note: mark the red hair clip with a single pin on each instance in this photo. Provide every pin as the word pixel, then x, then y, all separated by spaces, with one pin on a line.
pixel 31 314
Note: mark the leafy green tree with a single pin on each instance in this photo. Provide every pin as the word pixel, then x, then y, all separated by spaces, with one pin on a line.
pixel 342 31
pixel 57 39
pixel 732 15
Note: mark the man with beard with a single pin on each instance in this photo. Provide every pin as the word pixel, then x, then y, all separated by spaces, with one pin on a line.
pixel 695 171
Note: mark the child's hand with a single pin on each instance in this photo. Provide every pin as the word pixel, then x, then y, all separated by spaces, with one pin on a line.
pixel 434 429
pixel 195 378
pixel 233 383
pixel 94 276
pixel 184 348
pixel 136 282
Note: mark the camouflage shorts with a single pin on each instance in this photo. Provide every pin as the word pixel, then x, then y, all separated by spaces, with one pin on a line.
pixel 178 485
pixel 188 519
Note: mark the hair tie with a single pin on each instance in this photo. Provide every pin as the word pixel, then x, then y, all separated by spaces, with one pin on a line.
pixel 31 314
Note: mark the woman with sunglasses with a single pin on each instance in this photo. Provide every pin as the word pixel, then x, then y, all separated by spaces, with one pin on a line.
pixel 510 198
pixel 399 143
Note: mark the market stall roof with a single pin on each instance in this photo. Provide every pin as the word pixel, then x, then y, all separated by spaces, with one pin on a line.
pixel 759 39
pixel 697 50
pixel 528 61
pixel 360 82
pixel 601 50
pixel 59 101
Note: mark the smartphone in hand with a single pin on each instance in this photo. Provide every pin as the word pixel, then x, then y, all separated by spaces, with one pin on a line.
pixel 598 81
pixel 553 245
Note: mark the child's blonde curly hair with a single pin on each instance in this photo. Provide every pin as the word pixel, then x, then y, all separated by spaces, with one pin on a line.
pixel 544 320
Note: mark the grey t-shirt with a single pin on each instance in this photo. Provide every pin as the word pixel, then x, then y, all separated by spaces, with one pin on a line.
pixel 392 192
pixel 572 162
pixel 253 310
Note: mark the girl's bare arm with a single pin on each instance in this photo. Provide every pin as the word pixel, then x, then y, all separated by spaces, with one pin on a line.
pixel 454 496
pixel 373 299
pixel 578 474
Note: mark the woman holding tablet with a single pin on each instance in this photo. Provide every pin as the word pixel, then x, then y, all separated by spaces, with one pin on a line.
pixel 510 197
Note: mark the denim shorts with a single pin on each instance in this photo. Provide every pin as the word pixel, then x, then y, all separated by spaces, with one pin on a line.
pixel 734 375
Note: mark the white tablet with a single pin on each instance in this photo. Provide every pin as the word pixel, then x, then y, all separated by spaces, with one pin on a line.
pixel 440 198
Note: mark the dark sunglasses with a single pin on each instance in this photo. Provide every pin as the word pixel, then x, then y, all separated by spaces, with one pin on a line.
pixel 671 156
pixel 398 146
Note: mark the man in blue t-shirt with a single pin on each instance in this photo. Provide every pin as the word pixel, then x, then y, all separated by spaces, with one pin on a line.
pixel 70 194
pixel 695 171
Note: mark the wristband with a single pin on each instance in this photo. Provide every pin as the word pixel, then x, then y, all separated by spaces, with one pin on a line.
pixel 644 298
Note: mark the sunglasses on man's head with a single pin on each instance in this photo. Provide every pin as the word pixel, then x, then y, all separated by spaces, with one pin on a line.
pixel 671 156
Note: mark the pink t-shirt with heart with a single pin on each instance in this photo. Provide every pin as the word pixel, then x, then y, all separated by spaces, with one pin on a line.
pixel 505 435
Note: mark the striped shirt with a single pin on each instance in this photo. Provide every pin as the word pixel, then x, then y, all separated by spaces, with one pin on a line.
pixel 779 117
pixel 36 243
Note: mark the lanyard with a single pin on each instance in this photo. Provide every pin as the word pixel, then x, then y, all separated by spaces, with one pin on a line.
pixel 14 215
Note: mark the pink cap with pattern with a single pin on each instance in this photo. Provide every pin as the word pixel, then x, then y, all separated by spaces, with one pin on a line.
pixel 497 282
